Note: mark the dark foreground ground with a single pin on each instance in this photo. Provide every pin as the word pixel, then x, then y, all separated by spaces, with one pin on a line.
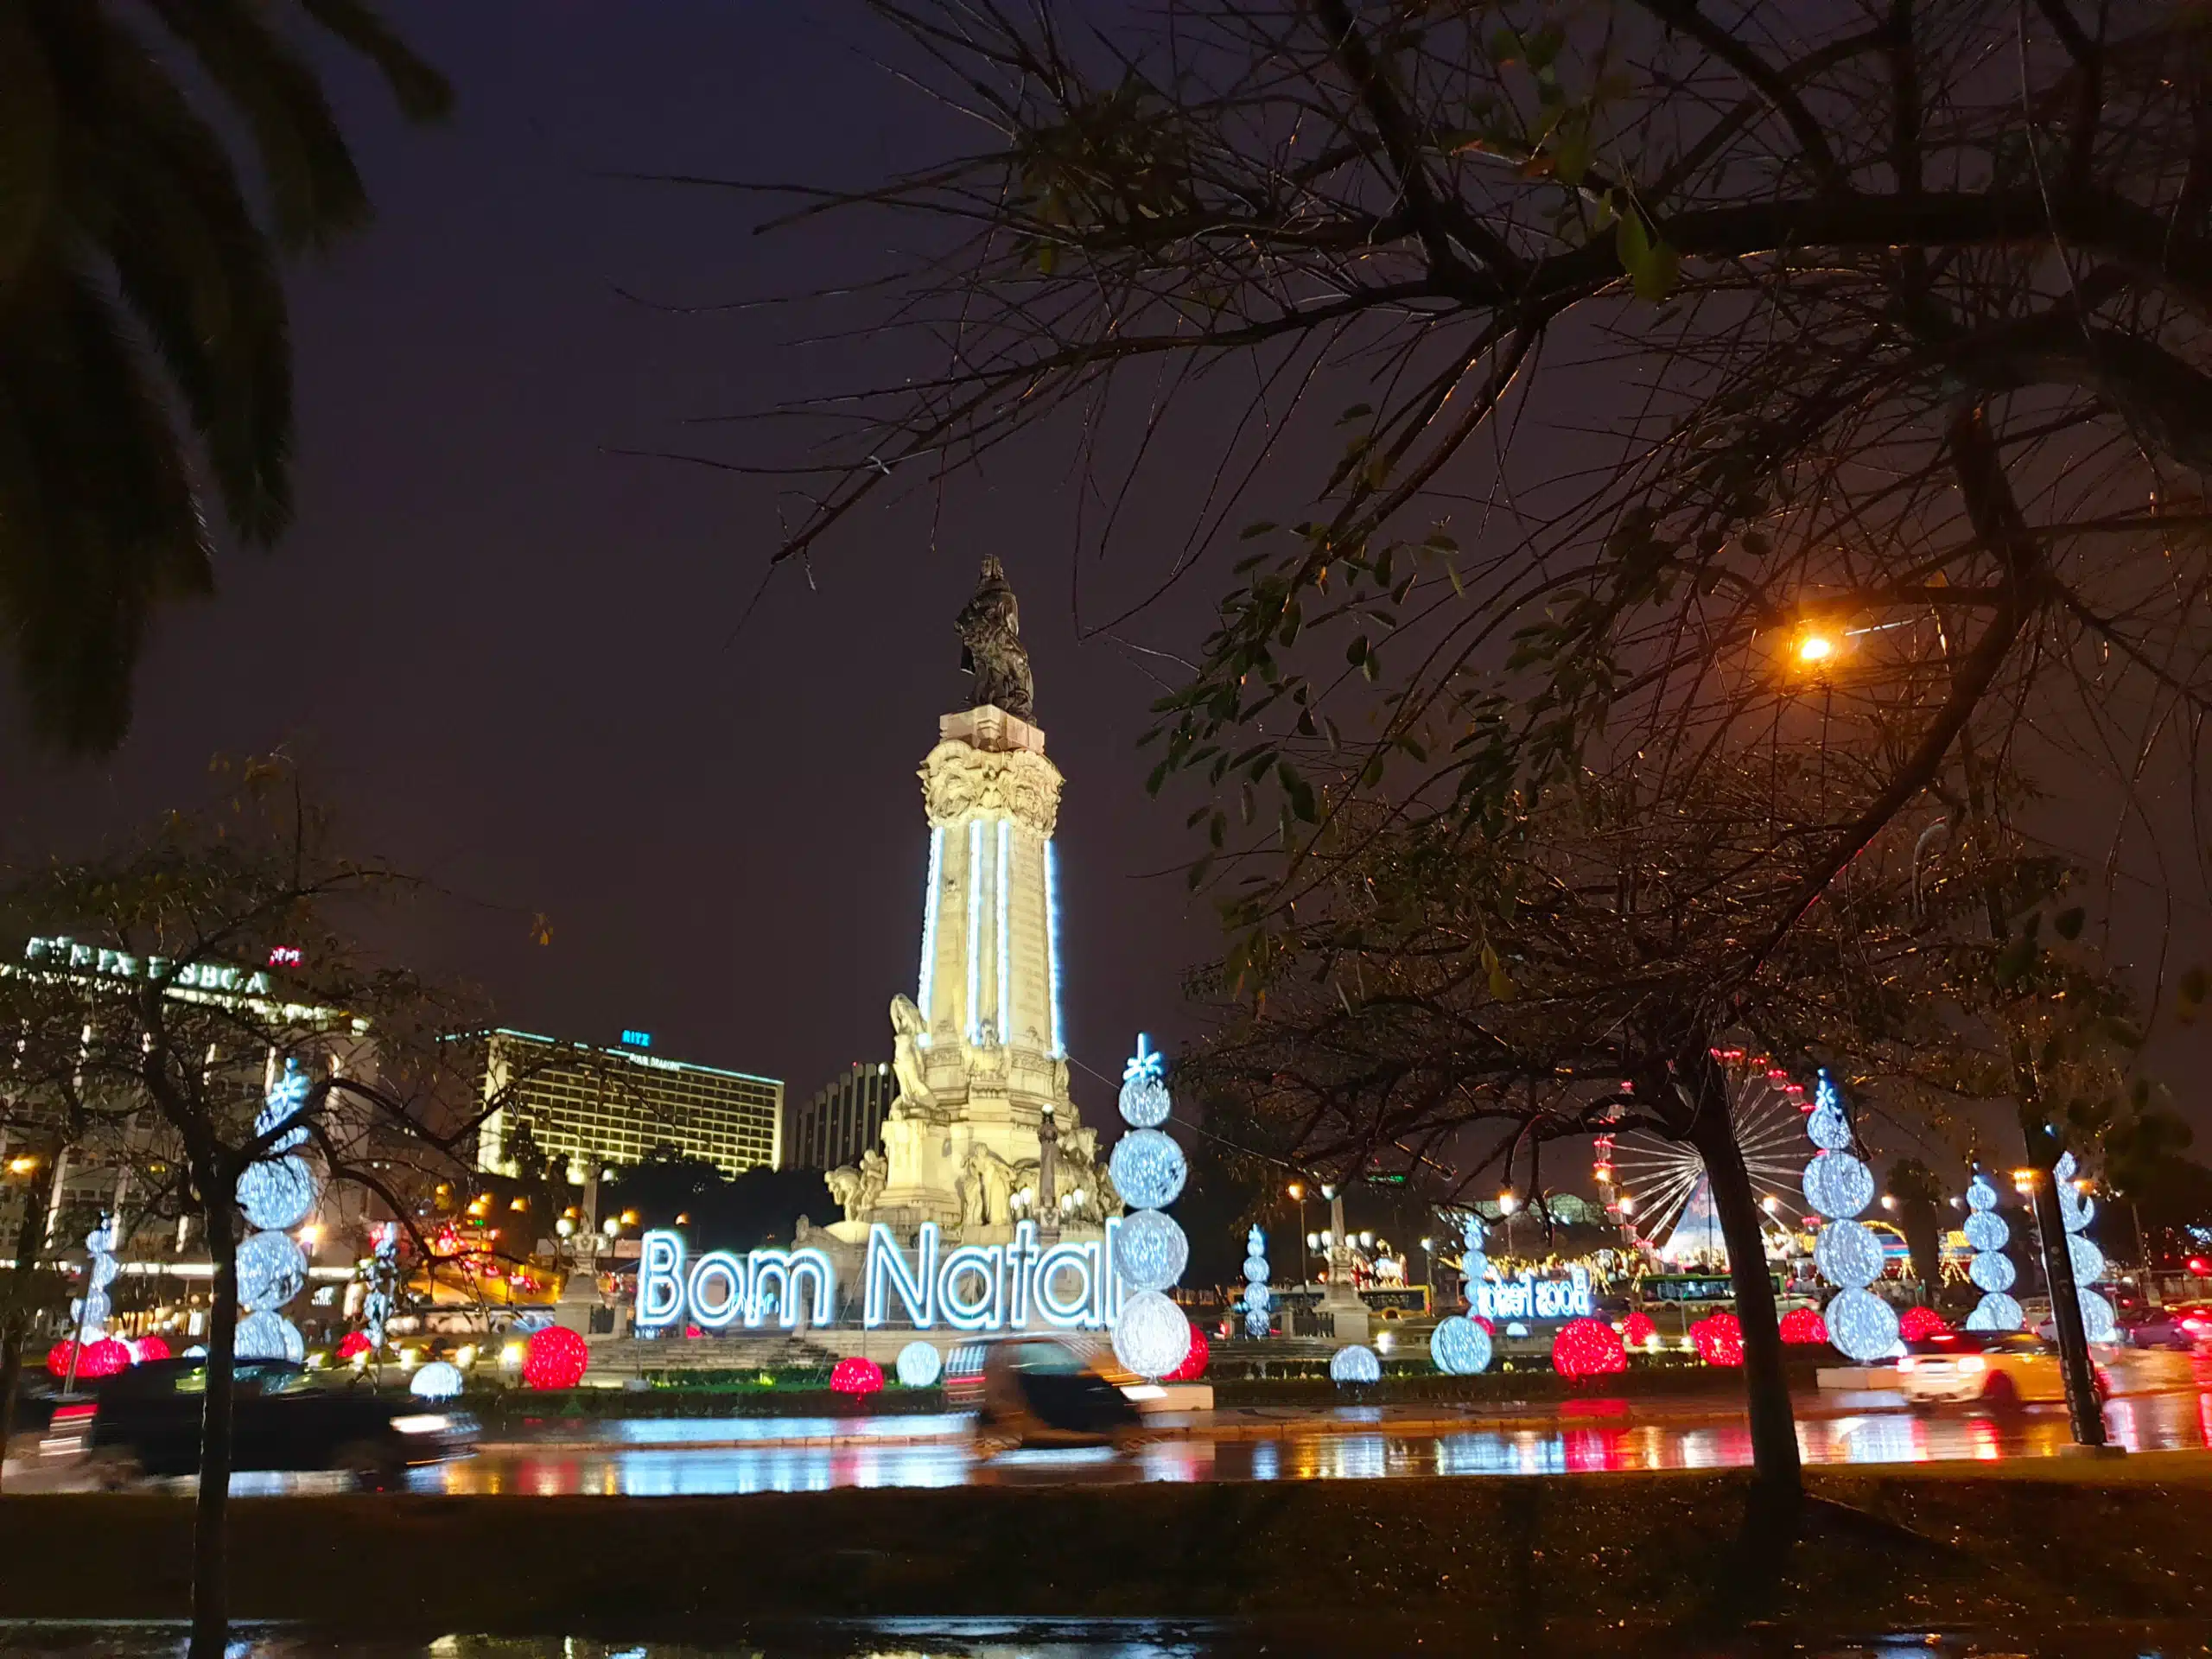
pixel 1595 1561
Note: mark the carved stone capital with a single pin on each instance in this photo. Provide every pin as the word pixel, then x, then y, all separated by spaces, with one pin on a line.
pixel 960 782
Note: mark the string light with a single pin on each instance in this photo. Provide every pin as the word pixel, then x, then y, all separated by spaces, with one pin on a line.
pixel 1151 1335
pixel 919 1365
pixel 1991 1270
pixel 1355 1366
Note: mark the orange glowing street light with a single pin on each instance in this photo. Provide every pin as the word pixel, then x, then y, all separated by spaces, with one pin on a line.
pixel 1815 650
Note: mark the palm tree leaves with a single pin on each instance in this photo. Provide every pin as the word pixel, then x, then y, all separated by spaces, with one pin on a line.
pixel 139 291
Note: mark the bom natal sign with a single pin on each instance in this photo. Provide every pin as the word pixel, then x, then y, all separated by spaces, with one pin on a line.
pixel 1010 1287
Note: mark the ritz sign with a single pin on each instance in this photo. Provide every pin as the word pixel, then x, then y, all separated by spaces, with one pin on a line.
pixel 1007 1287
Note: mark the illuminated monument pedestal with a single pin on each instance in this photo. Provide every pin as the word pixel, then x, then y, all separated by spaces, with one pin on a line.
pixel 979 1049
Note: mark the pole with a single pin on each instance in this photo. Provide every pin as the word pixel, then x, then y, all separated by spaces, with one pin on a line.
pixel 1048 1203
pixel 2082 1406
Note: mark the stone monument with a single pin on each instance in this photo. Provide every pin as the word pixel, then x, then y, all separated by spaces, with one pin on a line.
pixel 979 1051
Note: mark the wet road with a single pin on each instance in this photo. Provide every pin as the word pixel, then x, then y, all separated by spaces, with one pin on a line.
pixel 659 1459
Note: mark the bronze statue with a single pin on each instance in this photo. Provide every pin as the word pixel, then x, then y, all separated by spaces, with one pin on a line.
pixel 989 626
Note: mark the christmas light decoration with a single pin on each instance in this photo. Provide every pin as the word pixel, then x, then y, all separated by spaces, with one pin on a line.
pixel 1256 1320
pixel 1718 1338
pixel 91 1310
pixel 1804 1324
pixel 1148 1169
pixel 1638 1331
pixel 1354 1366
pixel 1839 1185
pixel 1194 1360
pixel 439 1380
pixel 1587 1348
pixel 1151 1335
pixel 1991 1270
pixel 107 1357
pixel 58 1358
pixel 271 1269
pixel 355 1345
pixel 855 1376
pixel 2075 1209
pixel 1667 1178
pixel 383 1281
pixel 150 1348
pixel 1150 1251
pixel 919 1365
pixel 1458 1346
pixel 1918 1324
pixel 555 1358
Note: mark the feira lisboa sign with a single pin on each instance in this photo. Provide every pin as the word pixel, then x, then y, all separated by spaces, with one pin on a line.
pixel 1530 1298
pixel 1010 1287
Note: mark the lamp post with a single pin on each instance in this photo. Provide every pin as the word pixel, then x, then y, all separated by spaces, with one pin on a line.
pixel 1296 1192
pixel 1507 1204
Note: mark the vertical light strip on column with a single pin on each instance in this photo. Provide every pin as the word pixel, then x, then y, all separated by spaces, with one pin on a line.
pixel 1006 975
pixel 928 983
pixel 974 924
pixel 1052 940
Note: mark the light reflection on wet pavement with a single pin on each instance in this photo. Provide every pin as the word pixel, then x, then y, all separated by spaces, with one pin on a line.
pixel 631 1464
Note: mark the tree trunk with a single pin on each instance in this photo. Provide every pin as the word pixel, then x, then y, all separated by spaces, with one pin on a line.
pixel 1766 1388
pixel 2082 1406
pixel 210 1570
pixel 16 1316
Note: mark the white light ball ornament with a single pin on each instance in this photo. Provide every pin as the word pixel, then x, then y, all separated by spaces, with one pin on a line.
pixel 272 1270
pixel 1991 1270
pixel 1460 1346
pixel 1355 1366
pixel 919 1365
pixel 2099 1324
pixel 1256 1320
pixel 1151 1335
pixel 278 1192
pixel 1150 1251
pixel 439 1380
pixel 269 1336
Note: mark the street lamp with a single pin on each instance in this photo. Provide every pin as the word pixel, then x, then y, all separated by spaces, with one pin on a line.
pixel 1507 1204
pixel 1296 1193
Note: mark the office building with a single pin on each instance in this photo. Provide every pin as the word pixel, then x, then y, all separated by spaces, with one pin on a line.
pixel 842 1120
pixel 602 1106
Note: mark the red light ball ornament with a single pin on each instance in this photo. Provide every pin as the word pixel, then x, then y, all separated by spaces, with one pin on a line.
pixel 1719 1339
pixel 148 1348
pixel 856 1376
pixel 1804 1324
pixel 57 1358
pixel 1918 1324
pixel 352 1344
pixel 1587 1348
pixel 1194 1362
pixel 1489 1324
pixel 555 1359
pixel 1638 1331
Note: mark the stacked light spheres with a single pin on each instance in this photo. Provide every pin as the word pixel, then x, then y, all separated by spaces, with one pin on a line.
pixel 276 1193
pixel 1991 1268
pixel 91 1310
pixel 1255 1283
pixel 383 1276
pixel 2075 1211
pixel 1151 1335
pixel 1839 1185
pixel 1458 1346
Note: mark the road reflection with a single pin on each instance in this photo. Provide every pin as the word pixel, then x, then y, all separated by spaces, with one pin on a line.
pixel 644 1464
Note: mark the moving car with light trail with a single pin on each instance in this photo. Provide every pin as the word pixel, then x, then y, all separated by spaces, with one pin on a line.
pixel 2000 1369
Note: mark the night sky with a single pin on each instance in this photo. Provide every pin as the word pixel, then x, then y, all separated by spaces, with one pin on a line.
pixel 512 658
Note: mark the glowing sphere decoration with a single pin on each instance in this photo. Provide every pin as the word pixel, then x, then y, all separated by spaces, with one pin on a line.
pixel 107 1357
pixel 1862 1325
pixel 277 1192
pixel 555 1358
pixel 264 1335
pixel 1987 1231
pixel 1150 1337
pixel 57 1358
pixel 1355 1366
pixel 1144 1101
pixel 1194 1360
pixel 1917 1324
pixel 1997 1312
pixel 1459 1347
pixel 2089 1259
pixel 1256 1299
pixel 272 1270
pixel 150 1348
pixel 1848 1254
pixel 439 1380
pixel 1150 1251
pixel 1148 1169
pixel 1638 1331
pixel 919 1365
pixel 353 1344
pixel 1803 1325
pixel 1719 1338
pixel 1587 1348
pixel 1838 1185
pixel 856 1375
pixel 1991 1270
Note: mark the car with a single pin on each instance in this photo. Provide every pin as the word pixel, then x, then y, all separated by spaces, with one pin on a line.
pixel 1038 1391
pixel 147 1421
pixel 1998 1368
pixel 2182 1326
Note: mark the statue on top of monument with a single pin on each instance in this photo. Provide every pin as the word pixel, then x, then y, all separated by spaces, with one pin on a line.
pixel 989 626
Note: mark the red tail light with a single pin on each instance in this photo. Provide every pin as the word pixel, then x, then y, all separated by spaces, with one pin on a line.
pixel 74 1416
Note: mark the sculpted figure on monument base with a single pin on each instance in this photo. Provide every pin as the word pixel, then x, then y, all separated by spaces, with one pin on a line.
pixel 907 1028
pixel 858 1189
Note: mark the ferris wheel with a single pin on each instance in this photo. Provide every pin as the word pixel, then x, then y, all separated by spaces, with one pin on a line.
pixel 1658 1187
